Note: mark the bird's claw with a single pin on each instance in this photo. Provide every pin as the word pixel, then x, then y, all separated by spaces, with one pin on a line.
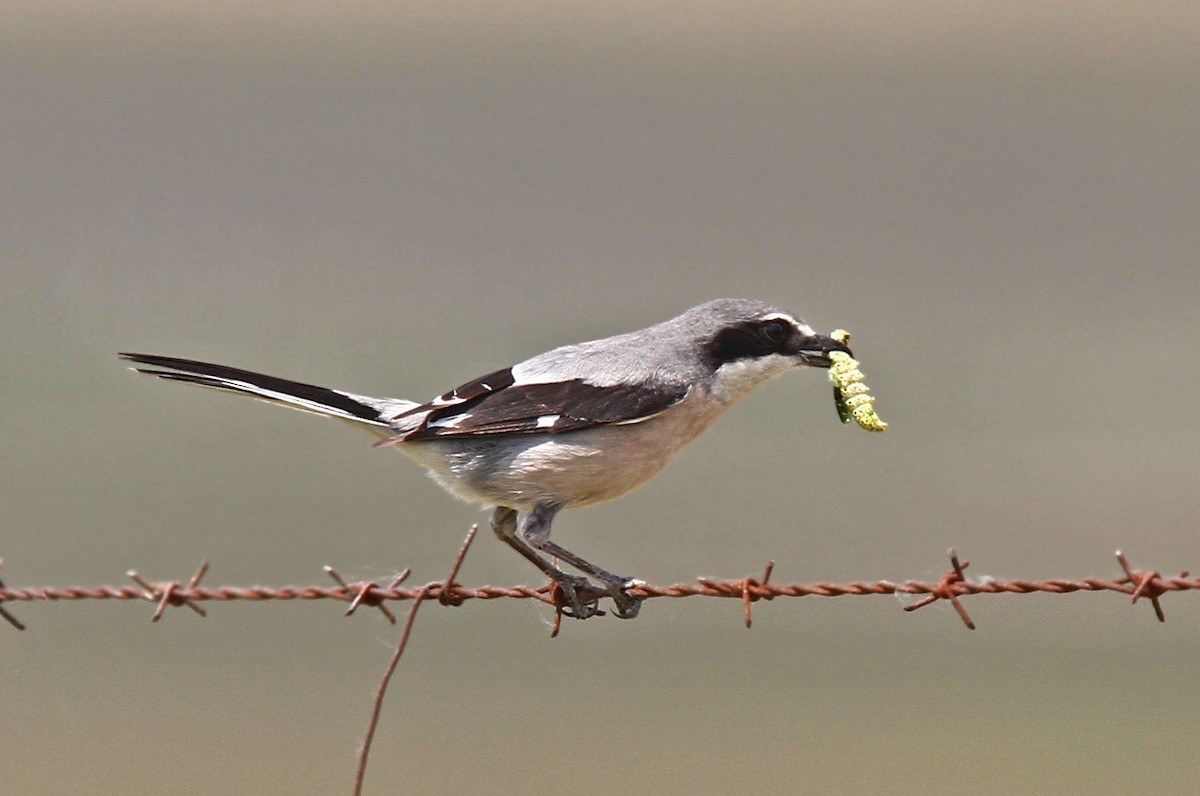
pixel 627 605
pixel 577 597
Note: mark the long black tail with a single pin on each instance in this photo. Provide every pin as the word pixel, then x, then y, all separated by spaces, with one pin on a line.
pixel 297 395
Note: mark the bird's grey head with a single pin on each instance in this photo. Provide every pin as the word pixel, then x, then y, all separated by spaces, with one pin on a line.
pixel 729 330
pixel 744 343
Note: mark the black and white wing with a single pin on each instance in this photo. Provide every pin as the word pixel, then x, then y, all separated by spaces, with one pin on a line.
pixel 499 403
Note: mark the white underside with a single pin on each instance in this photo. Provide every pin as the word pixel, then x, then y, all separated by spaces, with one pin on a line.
pixel 574 468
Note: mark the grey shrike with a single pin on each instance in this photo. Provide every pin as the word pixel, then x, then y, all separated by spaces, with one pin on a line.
pixel 571 427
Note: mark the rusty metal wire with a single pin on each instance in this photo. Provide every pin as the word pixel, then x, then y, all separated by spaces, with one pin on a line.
pixel 951 587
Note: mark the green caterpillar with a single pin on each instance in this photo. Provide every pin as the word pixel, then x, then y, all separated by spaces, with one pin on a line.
pixel 852 398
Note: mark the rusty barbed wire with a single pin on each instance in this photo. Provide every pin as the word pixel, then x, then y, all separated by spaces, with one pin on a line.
pixel 952 586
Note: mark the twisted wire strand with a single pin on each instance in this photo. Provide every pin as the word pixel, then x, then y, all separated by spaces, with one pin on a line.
pixel 951 586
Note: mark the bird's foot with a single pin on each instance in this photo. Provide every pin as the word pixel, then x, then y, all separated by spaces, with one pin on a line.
pixel 627 605
pixel 579 598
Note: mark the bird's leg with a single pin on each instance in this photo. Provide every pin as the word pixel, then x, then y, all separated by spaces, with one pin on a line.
pixel 578 591
pixel 535 530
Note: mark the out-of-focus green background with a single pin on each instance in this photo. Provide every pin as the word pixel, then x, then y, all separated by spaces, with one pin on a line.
pixel 1000 200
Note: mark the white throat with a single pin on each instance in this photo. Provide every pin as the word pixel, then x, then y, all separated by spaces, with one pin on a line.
pixel 734 380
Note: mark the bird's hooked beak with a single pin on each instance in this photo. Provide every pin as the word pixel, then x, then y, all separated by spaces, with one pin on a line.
pixel 814 350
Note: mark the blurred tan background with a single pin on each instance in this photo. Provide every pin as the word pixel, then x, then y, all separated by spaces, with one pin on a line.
pixel 1000 200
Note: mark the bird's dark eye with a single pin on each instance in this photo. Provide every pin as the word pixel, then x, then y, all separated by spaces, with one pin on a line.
pixel 775 331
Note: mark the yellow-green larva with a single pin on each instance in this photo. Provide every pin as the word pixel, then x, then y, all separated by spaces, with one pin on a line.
pixel 852 398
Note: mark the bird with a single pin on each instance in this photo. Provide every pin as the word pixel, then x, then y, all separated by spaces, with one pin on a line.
pixel 571 427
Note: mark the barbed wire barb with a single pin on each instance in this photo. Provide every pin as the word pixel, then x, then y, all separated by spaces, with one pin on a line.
pixel 945 589
pixel 171 592
pixel 1146 584
pixel 368 593
pixel 754 590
